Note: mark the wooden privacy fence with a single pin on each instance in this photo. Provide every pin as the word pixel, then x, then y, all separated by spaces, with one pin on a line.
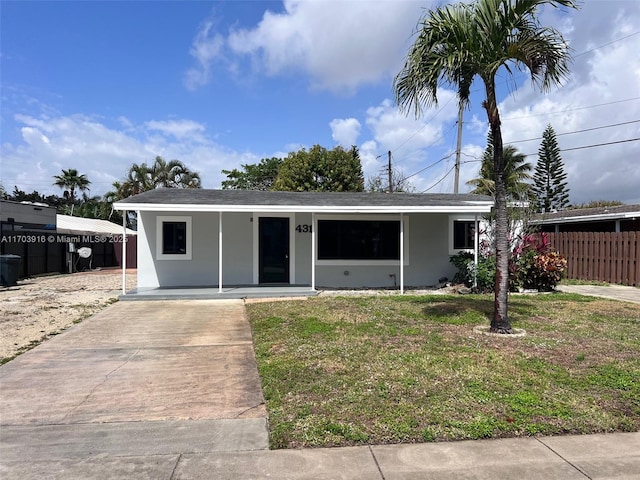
pixel 602 256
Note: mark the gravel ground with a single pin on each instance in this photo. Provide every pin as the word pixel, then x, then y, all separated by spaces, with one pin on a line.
pixel 38 308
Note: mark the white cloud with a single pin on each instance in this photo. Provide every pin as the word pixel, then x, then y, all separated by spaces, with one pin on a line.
pixel 340 45
pixel 180 129
pixel 104 153
pixel 603 90
pixel 207 46
pixel 345 131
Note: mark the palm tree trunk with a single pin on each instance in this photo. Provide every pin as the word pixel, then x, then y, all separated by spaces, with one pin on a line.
pixel 500 321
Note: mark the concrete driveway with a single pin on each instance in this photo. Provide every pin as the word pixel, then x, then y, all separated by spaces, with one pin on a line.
pixel 139 378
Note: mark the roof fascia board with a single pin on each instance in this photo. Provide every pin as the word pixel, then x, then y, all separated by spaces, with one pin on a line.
pixel 588 218
pixel 476 207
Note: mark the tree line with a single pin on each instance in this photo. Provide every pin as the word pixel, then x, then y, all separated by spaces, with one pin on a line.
pixel 75 186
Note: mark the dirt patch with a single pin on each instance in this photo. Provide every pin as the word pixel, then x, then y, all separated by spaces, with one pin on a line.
pixel 38 308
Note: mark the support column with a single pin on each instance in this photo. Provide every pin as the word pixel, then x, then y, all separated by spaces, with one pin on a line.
pixel 476 241
pixel 402 254
pixel 220 252
pixel 313 251
pixel 124 251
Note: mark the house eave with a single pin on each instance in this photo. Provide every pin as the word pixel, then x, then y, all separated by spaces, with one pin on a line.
pixel 587 218
pixel 470 207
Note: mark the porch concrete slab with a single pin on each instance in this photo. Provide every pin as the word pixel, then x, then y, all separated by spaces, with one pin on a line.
pixel 213 293
pixel 603 456
pixel 612 292
pixel 491 459
pixel 311 464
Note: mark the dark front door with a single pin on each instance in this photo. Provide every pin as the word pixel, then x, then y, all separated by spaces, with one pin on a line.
pixel 273 250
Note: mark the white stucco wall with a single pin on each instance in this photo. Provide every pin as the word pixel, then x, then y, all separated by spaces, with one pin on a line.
pixel 426 258
pixel 237 249
pixel 201 270
pixel 428 243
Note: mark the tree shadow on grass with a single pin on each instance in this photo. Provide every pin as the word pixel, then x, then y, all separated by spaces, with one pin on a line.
pixel 472 306
pixel 456 307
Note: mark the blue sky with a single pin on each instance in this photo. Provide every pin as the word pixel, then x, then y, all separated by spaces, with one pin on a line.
pixel 97 86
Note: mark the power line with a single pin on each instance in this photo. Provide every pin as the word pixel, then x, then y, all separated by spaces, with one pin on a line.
pixel 577 131
pixel 607 44
pixel 527 116
pixel 573 109
pixel 592 146
pixel 439 181
pixel 528 154
pixel 446 157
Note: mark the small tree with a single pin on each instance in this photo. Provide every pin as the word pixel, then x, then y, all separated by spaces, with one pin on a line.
pixel 550 185
pixel 321 170
pixel 380 182
pixel 457 43
pixel 257 176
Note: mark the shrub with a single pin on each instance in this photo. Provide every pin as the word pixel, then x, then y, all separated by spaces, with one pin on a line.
pixel 463 261
pixel 535 265
pixel 485 274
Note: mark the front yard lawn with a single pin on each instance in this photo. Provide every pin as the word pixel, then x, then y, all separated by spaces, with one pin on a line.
pixel 390 369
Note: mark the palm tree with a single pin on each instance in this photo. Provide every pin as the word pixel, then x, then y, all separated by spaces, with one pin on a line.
pixel 516 173
pixel 69 181
pixel 458 42
pixel 161 174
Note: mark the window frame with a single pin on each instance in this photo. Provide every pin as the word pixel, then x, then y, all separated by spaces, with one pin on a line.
pixel 160 221
pixel 363 262
pixel 452 234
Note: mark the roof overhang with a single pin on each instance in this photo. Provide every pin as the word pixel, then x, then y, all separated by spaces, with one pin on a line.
pixel 469 207
pixel 588 218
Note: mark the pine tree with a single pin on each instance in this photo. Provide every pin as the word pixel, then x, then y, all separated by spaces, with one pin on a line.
pixel 550 180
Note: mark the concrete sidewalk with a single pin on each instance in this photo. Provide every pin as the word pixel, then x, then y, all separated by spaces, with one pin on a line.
pixel 172 451
pixel 613 292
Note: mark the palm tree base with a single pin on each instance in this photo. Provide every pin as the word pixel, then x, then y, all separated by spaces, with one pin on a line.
pixel 511 333
pixel 501 329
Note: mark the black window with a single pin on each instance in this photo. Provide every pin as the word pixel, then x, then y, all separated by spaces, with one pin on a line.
pixel 358 240
pixel 174 238
pixel 464 232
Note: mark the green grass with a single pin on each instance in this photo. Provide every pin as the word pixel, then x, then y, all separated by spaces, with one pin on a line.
pixel 348 371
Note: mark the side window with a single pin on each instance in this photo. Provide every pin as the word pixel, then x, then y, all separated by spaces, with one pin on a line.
pixel 174 238
pixel 463 234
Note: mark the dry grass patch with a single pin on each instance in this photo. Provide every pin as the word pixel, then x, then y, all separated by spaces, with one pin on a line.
pixel 353 370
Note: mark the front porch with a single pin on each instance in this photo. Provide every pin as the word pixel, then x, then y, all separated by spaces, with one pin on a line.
pixel 213 293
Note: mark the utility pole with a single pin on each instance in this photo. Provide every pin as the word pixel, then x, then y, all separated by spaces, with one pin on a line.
pixel 390 175
pixel 458 148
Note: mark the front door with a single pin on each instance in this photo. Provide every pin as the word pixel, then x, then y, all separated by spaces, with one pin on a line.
pixel 273 249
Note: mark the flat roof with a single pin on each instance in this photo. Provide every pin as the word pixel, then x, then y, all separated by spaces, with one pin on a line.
pixel 88 226
pixel 207 200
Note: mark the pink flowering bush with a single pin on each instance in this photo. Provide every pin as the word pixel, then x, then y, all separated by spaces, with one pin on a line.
pixel 535 266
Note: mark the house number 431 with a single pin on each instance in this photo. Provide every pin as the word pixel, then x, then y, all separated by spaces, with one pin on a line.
pixel 303 228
